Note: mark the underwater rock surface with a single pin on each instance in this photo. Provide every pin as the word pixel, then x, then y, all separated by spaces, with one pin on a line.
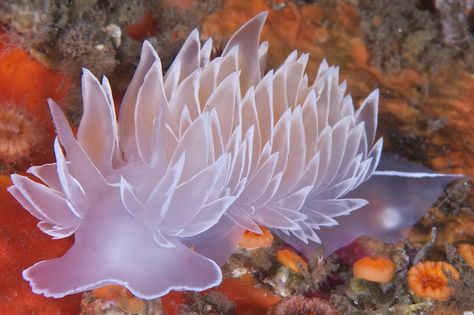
pixel 421 116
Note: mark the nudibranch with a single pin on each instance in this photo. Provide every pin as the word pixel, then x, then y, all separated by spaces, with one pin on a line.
pixel 158 198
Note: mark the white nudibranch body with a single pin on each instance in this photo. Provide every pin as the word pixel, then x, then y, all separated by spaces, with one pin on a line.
pixel 159 198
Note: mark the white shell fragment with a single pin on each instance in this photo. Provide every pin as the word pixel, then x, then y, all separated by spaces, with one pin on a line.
pixel 158 198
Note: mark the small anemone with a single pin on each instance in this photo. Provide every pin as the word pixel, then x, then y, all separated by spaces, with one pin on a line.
pixel 251 240
pixel 429 280
pixel 292 260
pixel 376 269
pixel 300 305
pixel 19 135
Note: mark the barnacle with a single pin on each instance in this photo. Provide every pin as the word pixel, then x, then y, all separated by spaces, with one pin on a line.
pixel 428 280
pixel 377 269
pixel 19 135
pixel 203 153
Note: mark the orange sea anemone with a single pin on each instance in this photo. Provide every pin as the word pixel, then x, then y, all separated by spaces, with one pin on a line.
pixel 301 305
pixel 292 260
pixel 429 280
pixel 467 252
pixel 375 269
pixel 19 135
pixel 251 240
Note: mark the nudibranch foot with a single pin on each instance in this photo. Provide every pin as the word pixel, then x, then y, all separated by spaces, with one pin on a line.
pixel 148 272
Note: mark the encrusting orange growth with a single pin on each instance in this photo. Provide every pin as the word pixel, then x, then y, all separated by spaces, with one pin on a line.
pixel 375 269
pixel 25 81
pixel 467 252
pixel 292 260
pixel 251 240
pixel 122 297
pixel 109 292
pixel 428 280
pixel 131 305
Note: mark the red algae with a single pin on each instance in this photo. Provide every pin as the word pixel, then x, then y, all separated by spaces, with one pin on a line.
pixel 25 87
pixel 25 81
pixel 147 27
pixel 173 301
pixel 21 245
pixel 247 296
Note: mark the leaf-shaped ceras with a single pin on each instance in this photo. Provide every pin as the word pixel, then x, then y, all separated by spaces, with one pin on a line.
pixel 129 189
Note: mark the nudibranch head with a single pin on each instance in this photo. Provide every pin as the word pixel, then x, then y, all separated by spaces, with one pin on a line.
pixel 159 197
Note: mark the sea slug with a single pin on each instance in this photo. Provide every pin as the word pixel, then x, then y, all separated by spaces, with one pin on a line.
pixel 158 199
